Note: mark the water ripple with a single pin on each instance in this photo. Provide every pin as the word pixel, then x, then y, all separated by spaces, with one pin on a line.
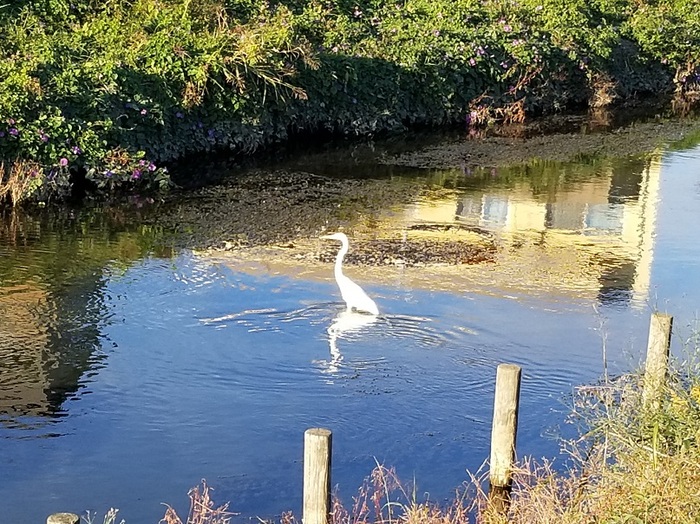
pixel 269 319
pixel 413 328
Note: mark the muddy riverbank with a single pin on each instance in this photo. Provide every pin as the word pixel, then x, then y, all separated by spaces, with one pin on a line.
pixel 585 136
pixel 264 204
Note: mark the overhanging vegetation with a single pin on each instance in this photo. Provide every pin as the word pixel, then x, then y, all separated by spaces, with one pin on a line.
pixel 109 92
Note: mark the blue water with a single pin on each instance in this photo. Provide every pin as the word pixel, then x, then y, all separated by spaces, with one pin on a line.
pixel 195 369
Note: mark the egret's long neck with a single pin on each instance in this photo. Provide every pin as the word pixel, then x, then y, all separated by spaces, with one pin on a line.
pixel 339 259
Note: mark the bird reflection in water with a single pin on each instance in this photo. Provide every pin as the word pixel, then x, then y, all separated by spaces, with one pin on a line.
pixel 344 324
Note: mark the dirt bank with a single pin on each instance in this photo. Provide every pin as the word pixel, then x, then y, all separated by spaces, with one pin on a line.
pixel 293 196
pixel 545 140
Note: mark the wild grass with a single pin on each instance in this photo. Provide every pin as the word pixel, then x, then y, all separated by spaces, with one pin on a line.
pixel 202 509
pixel 19 181
pixel 631 463
pixel 109 518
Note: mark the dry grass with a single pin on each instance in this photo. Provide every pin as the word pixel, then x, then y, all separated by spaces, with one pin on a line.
pixel 604 91
pixel 630 465
pixel 18 182
pixel 202 509
pixel 109 518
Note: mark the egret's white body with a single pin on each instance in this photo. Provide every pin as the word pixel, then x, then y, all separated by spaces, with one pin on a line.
pixel 353 295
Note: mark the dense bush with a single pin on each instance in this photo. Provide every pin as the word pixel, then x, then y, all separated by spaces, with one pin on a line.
pixel 108 92
pixel 111 92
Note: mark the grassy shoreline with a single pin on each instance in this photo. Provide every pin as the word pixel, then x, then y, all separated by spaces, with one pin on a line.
pixel 103 95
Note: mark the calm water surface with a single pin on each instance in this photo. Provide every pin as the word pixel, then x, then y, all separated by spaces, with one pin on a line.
pixel 130 370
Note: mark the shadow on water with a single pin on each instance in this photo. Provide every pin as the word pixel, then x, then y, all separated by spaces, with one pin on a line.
pixel 53 306
pixel 363 158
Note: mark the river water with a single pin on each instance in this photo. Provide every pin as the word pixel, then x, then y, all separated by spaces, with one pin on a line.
pixel 131 368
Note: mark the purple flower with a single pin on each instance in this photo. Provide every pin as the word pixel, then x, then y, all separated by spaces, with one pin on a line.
pixel 507 28
pixel 144 111
pixel 179 115
pixel 2 134
pixel 472 62
pixel 11 121
pixel 151 167
pixel 76 150
pixel 142 163
pixel 63 162
pixel 109 173
pixel 136 174
pixel 436 32
pixel 43 136
pixel 13 131
pixel 480 51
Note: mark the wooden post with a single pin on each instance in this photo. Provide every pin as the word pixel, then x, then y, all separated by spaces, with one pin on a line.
pixel 656 366
pixel 317 476
pixel 63 518
pixel 503 435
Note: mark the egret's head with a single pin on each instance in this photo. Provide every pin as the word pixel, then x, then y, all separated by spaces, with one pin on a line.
pixel 342 237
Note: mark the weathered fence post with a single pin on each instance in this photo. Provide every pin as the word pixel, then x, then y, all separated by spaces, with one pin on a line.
pixel 63 518
pixel 317 476
pixel 503 434
pixel 656 366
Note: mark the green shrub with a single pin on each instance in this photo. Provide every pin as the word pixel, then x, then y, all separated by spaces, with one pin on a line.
pixel 113 90
pixel 132 85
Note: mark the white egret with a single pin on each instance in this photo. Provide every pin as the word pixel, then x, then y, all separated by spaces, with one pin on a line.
pixel 353 295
